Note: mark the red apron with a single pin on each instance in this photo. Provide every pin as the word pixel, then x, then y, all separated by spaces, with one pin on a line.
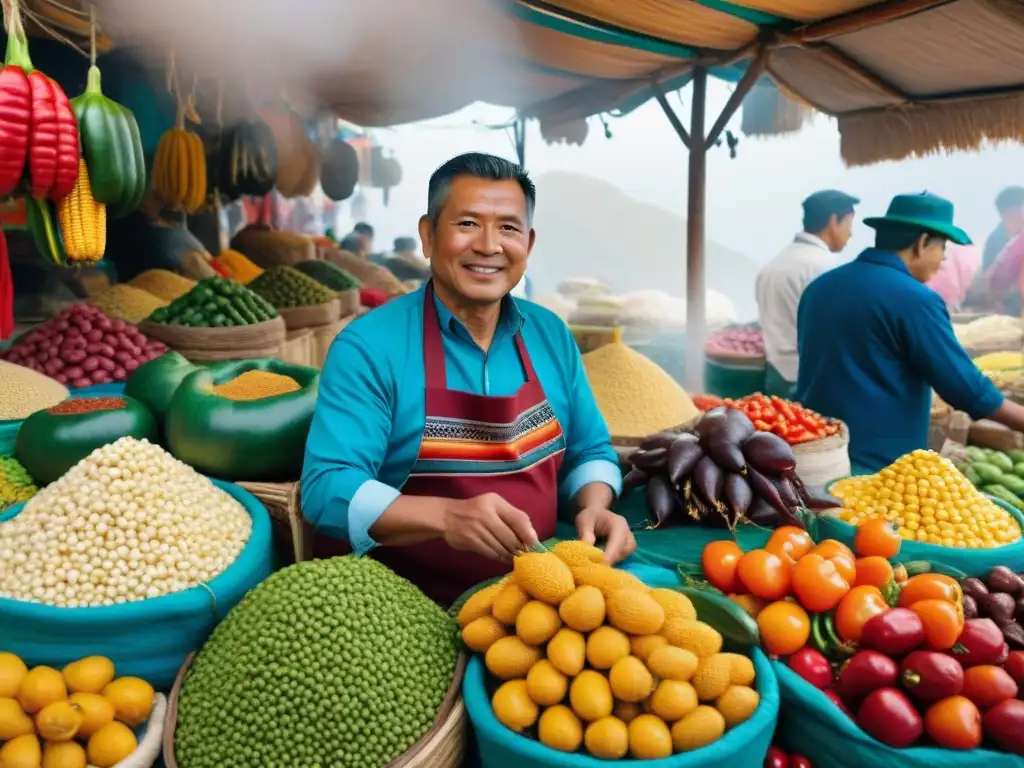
pixel 472 445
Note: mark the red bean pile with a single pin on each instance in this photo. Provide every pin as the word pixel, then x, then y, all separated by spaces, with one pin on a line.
pixel 82 346
pixel 87 405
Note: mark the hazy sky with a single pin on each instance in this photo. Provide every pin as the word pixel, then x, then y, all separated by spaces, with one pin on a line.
pixel 753 201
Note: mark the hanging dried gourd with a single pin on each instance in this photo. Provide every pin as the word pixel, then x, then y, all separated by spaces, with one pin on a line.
pixel 241 157
pixel 296 153
pixel 179 167
pixel 339 172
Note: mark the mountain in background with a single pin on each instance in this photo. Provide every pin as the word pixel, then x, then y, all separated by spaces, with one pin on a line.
pixel 587 227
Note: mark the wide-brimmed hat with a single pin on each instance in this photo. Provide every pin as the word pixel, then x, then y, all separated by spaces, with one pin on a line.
pixel 928 212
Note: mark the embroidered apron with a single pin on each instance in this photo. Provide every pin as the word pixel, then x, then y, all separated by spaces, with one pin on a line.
pixel 472 445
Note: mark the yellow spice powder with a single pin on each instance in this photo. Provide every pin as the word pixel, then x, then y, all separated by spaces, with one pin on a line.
pixel 257 385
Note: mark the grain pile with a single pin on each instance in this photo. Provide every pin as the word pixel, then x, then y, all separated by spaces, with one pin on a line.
pixel 635 396
pixel 257 385
pixel 23 392
pixel 163 284
pixel 128 303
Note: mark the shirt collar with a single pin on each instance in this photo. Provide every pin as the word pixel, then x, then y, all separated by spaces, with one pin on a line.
pixel 510 321
pixel 809 239
pixel 883 258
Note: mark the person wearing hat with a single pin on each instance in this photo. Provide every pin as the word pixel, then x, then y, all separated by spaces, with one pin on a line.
pixel 405 263
pixel 828 221
pixel 875 341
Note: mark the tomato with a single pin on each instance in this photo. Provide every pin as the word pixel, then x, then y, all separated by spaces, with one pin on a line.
pixel 942 623
pixel 930 586
pixel 954 723
pixel 874 571
pixel 856 609
pixel 784 628
pixel 764 575
pixel 877 537
pixel 987 685
pixel 831 547
pixel 719 560
pixel 790 542
pixel 817 584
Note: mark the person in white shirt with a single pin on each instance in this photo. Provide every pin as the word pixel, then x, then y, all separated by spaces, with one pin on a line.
pixel 828 222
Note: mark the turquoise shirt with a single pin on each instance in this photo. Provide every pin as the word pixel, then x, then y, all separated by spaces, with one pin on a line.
pixel 371 408
pixel 874 342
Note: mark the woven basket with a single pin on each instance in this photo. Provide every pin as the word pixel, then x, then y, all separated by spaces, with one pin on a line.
pixel 822 461
pixel 323 337
pixel 443 746
pixel 348 301
pixel 298 347
pixel 269 333
pixel 308 317
pixel 284 504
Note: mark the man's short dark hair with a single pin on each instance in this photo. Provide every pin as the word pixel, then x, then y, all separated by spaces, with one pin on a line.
pixel 362 228
pixel 480 166
pixel 1010 199
pixel 350 243
pixel 405 243
pixel 820 207
pixel 898 237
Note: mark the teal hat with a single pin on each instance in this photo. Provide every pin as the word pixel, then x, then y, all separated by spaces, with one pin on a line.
pixel 928 212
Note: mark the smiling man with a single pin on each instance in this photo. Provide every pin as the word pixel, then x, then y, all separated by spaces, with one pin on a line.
pixel 452 422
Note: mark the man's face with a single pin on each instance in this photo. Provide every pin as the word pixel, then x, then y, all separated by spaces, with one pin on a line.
pixel 929 253
pixel 480 245
pixel 1013 221
pixel 840 231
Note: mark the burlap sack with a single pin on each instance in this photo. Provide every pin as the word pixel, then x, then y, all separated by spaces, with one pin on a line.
pixel 298 347
pixel 309 317
pixel 348 301
pixel 266 335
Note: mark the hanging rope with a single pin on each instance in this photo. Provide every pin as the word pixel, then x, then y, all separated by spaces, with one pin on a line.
pixel 69 10
pixel 220 103
pixel 92 35
pixel 44 25
pixel 175 91
pixel 190 103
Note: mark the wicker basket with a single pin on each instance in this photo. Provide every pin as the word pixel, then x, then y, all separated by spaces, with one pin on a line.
pixel 284 504
pixel 312 316
pixel 822 461
pixel 443 746
pixel 349 301
pixel 298 347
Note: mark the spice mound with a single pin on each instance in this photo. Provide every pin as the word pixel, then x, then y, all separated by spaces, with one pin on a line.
pixel 257 385
pixel 87 405
pixel 330 274
pixel 287 287
pixel 635 396
pixel 124 302
pixel 163 284
pixel 126 523
pixel 15 483
pixel 24 391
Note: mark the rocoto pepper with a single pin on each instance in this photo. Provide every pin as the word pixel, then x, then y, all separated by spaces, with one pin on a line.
pixel 980 642
pixel 931 675
pixel 15 110
pixel 889 716
pixel 895 632
pixel 864 672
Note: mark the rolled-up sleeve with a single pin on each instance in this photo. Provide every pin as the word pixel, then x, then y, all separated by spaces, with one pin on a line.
pixel 347 444
pixel 943 362
pixel 589 456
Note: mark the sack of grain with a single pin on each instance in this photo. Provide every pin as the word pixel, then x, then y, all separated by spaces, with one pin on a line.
pixel 163 284
pixel 271 248
pixel 309 317
pixel 821 461
pixel 128 303
pixel 366 272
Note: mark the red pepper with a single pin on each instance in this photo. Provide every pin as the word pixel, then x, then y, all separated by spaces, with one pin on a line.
pixel 930 675
pixel 980 642
pixel 15 108
pixel 1014 664
pixel 864 672
pixel 67 146
pixel 895 632
pixel 833 696
pixel 6 292
pixel 889 716
pixel 812 667
pixel 42 146
pixel 775 758
pixel 797 760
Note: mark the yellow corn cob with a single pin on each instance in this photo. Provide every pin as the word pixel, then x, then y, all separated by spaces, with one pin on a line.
pixel 179 170
pixel 83 221
pixel 1000 361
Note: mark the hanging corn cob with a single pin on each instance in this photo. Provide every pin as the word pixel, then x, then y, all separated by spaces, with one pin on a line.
pixel 83 221
pixel 179 166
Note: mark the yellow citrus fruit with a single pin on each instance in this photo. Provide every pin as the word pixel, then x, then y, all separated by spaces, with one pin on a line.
pixel 96 712
pixel 591 696
pixel 630 680
pixel 513 706
pixel 110 745
pixel 546 685
pixel 41 686
pixel 607 739
pixel 560 729
pixel 22 752
pixel 12 672
pixel 673 700
pixel 649 738
pixel 132 698
pixel 58 721
pixel 63 754
pixel 13 720
pixel 88 675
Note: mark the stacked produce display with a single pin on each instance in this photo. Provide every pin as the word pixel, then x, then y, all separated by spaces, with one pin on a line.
pixel 124 302
pixel 82 346
pixel 83 713
pixel 736 341
pixel 586 657
pixel 215 303
pixel 726 474
pixel 330 662
pixel 16 485
pixel 790 421
pixel 997 473
pixel 329 274
pixel 286 288
pixel 163 284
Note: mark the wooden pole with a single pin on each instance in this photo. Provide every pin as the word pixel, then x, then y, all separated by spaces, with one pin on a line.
pixel 520 136
pixel 696 320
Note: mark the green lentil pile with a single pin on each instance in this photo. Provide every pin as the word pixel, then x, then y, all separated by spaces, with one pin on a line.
pixel 216 303
pixel 15 483
pixel 329 274
pixel 338 663
pixel 287 288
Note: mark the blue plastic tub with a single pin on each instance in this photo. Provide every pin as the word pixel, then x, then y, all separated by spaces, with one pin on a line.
pixel 973 562
pixel 743 747
pixel 9 436
pixel 814 726
pixel 149 638
pixel 9 429
pixel 113 389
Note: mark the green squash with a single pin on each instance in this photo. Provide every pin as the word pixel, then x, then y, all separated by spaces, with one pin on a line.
pixel 153 384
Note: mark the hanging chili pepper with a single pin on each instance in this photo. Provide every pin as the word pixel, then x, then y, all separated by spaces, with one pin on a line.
pixel 15 108
pixel 42 146
pixel 67 146
pixel 6 292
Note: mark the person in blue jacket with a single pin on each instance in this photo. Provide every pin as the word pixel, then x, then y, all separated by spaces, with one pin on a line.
pixel 874 340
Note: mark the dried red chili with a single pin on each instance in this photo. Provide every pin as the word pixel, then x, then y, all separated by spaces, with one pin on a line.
pixel 67 146
pixel 15 107
pixel 87 405
pixel 42 148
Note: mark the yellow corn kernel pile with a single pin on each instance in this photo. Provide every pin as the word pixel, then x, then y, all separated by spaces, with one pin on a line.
pixel 930 501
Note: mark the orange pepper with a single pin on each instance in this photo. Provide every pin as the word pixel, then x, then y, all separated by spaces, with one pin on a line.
pixel 874 570
pixel 765 575
pixel 943 623
pixel 718 561
pixel 856 609
pixel 790 542
pixel 877 537
pixel 817 584
pixel 930 586
pixel 830 547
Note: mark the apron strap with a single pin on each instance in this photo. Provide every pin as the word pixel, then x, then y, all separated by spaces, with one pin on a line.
pixel 433 346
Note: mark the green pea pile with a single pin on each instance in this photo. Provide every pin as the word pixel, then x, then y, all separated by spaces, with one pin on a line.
pixel 335 663
pixel 287 288
pixel 330 274
pixel 15 483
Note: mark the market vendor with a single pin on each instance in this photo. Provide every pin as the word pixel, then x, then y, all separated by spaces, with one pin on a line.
pixel 827 224
pixel 451 422
pixel 874 340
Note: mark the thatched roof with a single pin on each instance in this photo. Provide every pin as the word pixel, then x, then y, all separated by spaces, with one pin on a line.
pixel 903 77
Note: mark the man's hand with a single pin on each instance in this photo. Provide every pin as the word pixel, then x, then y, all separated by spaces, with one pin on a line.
pixel 489 526
pixel 595 523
